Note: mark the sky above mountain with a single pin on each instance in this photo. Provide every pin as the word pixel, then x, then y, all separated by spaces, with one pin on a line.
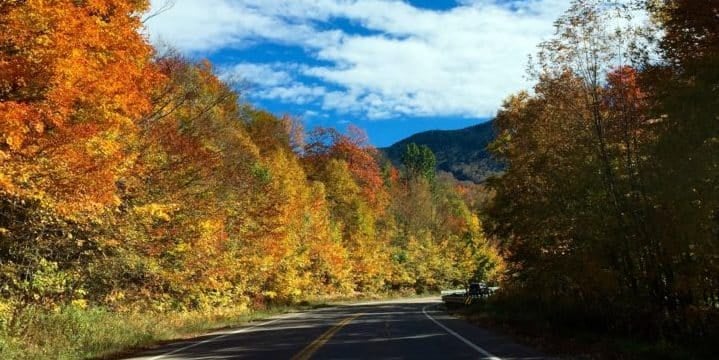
pixel 391 67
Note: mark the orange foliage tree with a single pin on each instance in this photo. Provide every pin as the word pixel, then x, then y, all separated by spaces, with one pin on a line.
pixel 74 78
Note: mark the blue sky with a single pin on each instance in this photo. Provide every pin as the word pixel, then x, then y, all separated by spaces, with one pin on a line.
pixel 391 67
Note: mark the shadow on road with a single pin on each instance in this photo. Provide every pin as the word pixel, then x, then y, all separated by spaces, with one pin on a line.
pixel 383 330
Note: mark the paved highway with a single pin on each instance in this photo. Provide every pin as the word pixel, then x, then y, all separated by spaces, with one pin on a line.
pixel 399 329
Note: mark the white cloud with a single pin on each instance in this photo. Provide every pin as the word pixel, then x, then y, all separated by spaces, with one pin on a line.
pixel 274 81
pixel 260 74
pixel 295 93
pixel 417 62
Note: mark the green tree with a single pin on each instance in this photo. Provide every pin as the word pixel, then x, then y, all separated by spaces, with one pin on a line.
pixel 419 162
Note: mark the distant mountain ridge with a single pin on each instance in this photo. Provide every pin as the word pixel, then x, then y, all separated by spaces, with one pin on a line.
pixel 463 152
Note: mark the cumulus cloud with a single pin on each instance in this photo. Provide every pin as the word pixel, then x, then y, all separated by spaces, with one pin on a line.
pixel 274 81
pixel 410 61
pixel 265 75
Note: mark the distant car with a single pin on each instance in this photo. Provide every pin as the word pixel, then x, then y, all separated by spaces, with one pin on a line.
pixel 474 292
pixel 476 289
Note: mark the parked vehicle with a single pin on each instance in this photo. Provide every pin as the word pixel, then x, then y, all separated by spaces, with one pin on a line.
pixel 474 292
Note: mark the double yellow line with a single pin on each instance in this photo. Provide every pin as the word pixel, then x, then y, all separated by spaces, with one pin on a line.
pixel 312 348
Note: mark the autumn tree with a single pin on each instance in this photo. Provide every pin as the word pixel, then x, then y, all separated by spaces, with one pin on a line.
pixel 356 195
pixel 361 157
pixel 75 77
pixel 684 107
pixel 136 179
pixel 437 240
pixel 608 195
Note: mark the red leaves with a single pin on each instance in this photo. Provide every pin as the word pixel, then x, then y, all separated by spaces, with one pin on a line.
pixel 361 157
pixel 623 87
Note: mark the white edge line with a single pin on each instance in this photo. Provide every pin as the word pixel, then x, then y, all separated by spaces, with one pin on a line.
pixel 224 336
pixel 486 353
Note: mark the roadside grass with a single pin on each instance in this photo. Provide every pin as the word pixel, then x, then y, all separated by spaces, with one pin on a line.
pixel 578 340
pixel 77 333
pixel 73 332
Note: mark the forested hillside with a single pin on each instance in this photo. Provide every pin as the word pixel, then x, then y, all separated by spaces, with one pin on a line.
pixel 136 181
pixel 463 152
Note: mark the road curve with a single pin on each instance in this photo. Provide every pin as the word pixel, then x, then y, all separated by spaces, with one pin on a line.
pixel 398 329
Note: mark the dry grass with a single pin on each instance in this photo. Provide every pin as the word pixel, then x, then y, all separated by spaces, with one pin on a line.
pixel 76 333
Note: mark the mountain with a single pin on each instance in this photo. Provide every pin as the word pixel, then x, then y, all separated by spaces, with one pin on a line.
pixel 463 152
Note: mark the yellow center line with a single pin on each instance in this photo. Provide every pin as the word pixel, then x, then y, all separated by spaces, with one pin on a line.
pixel 312 348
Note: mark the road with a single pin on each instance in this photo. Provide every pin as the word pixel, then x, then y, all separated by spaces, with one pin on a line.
pixel 398 329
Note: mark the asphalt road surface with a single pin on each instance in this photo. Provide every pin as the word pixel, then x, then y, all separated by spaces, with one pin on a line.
pixel 399 329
